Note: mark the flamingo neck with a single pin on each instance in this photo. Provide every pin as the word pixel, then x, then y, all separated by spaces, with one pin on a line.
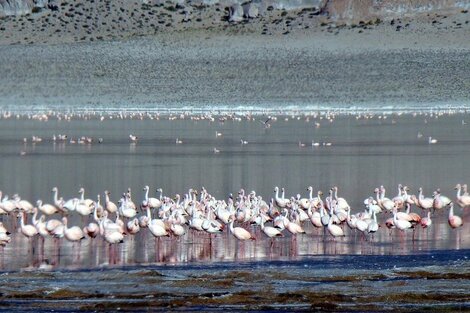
pixel 101 223
pixel 382 194
pixel 35 221
pixel 95 215
pixel 22 218
pixel 146 195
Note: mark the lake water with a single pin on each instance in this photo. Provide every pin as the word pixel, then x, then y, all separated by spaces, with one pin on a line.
pixel 364 154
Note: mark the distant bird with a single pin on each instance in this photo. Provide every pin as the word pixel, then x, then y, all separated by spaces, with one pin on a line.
pixel 266 123
pixel 432 140
pixel 178 141
pixel 216 151
pixel 133 138
pixel 243 142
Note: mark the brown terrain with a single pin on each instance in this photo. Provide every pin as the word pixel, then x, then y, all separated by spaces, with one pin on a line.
pixel 51 21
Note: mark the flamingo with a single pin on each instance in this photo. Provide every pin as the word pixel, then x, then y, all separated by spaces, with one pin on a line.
pixel 133 226
pixel 400 224
pixel 304 202
pixel 58 202
pixel 40 224
pixel 86 202
pixel 426 221
pixel 462 200
pixel 109 205
pixel 27 229
pixel 342 204
pixel 55 228
pixel 315 217
pixel 373 225
pixel 382 201
pixel 73 233
pixel 23 205
pixel 47 209
pixel 269 231
pixel 280 202
pixel 153 203
pixel 91 230
pixel 423 203
pixel 399 199
pixel 440 201
pixel 454 220
pixel 126 208
pixel 239 232
pixel 110 231
pixel 334 230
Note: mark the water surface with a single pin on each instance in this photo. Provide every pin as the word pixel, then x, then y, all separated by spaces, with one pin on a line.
pixel 292 272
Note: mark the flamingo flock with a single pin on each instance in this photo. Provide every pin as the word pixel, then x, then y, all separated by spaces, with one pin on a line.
pixel 200 212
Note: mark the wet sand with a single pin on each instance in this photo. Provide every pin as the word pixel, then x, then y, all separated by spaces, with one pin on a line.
pixel 433 282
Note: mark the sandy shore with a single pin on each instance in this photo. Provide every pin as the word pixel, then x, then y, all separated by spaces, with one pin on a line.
pixel 294 59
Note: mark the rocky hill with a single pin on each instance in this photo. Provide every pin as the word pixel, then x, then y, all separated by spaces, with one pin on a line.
pixel 339 10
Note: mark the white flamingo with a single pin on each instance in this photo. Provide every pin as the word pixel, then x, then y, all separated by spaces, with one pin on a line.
pixel 239 232
pixel 27 229
pixel 73 233
pixel 454 220
pixel 462 200
pixel 110 206
pixel 47 209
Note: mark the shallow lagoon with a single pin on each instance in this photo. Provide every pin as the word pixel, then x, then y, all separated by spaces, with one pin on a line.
pixel 364 154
